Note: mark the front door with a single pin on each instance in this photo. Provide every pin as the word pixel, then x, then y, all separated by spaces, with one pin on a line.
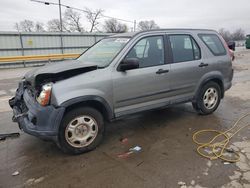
pixel 147 86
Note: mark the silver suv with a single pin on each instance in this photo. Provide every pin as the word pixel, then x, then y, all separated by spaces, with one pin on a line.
pixel 68 102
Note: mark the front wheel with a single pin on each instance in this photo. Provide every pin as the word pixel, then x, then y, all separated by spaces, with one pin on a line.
pixel 208 98
pixel 82 130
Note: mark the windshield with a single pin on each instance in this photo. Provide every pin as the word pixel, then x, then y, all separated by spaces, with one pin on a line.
pixel 103 52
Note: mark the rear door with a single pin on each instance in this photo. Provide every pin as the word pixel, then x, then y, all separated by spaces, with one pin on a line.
pixel 218 59
pixel 187 66
pixel 146 87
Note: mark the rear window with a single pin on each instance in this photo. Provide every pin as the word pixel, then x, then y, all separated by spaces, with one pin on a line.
pixel 214 44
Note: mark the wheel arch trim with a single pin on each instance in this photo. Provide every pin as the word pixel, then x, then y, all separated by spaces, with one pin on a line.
pixel 218 78
pixel 89 99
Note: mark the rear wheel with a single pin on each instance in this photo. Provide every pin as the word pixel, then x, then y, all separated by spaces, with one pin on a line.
pixel 208 99
pixel 82 130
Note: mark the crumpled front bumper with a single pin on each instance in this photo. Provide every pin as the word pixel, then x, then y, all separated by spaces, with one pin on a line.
pixel 33 118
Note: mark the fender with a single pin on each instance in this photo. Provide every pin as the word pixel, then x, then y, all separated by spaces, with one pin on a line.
pixel 206 78
pixel 89 98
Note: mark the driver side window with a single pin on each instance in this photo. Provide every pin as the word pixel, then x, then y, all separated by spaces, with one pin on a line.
pixel 149 51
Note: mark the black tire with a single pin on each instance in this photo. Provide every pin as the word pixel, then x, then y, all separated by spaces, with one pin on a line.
pixel 65 146
pixel 202 107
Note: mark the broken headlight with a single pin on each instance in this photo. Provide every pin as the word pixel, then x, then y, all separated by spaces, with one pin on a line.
pixel 44 97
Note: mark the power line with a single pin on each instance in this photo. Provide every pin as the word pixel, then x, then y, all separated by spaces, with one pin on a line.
pixel 82 10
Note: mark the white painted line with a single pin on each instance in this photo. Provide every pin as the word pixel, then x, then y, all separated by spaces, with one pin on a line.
pixel 5 98
pixel 12 90
pixel 5 110
pixel 4 104
pixel 2 92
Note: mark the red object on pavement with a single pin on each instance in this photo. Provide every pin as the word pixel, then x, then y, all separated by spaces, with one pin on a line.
pixel 124 140
pixel 125 155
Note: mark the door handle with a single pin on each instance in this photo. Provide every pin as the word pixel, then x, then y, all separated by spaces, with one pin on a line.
pixel 203 65
pixel 161 71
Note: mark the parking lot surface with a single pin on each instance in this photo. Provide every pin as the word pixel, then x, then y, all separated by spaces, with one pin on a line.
pixel 168 157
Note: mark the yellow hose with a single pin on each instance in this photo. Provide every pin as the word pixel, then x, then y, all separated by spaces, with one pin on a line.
pixel 219 149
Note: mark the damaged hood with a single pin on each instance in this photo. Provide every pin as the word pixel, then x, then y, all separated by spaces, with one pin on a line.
pixel 57 71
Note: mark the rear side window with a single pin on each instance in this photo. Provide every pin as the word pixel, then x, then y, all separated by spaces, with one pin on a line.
pixel 214 44
pixel 184 48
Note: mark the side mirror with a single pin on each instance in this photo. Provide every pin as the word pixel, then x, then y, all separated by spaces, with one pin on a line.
pixel 231 45
pixel 128 64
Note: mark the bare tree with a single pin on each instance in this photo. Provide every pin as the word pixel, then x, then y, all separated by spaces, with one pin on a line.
pixel 147 25
pixel 113 26
pixel 54 25
pixel 238 34
pixel 225 34
pixel 92 17
pixel 72 20
pixel 39 27
pixel 25 25
pixel 17 27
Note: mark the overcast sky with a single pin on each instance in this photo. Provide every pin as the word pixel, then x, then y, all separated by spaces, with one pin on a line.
pixel 212 14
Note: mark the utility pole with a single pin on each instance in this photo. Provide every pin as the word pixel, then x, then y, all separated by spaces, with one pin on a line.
pixel 60 15
pixel 61 24
pixel 134 25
